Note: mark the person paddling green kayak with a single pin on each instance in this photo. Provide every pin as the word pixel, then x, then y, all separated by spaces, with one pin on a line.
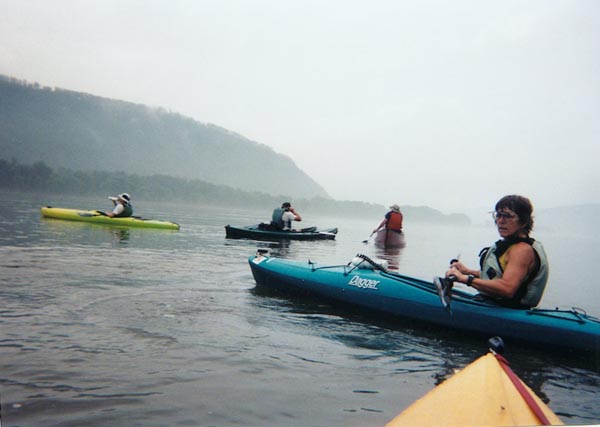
pixel 122 206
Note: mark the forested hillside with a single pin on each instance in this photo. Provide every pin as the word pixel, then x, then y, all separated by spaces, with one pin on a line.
pixel 83 132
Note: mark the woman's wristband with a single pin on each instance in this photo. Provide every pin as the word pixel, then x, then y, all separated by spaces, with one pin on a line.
pixel 470 280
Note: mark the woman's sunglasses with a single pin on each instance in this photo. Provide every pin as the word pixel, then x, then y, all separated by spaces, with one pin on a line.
pixel 505 215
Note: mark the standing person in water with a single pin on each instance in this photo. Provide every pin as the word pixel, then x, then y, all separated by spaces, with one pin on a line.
pixel 514 270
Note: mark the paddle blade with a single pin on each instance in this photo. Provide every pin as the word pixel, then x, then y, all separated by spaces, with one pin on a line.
pixel 444 288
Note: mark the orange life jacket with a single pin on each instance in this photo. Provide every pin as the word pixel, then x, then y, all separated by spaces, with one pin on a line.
pixel 394 222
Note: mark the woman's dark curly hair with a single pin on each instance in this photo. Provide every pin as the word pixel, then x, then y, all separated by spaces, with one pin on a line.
pixel 521 206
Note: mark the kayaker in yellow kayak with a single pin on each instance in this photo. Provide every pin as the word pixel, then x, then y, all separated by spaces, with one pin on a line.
pixel 514 270
pixel 122 206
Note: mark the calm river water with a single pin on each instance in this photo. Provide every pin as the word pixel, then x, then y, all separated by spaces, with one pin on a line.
pixel 103 326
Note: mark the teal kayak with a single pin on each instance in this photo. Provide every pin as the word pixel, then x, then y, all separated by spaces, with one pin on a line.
pixel 369 285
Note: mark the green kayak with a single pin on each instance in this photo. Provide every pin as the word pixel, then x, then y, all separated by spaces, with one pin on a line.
pixel 99 217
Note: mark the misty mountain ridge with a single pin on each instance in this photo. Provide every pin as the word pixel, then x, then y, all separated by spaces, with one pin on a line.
pixel 79 131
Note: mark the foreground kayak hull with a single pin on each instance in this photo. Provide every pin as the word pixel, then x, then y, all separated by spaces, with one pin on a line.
pixel 389 239
pixel 256 233
pixel 415 299
pixel 484 393
pixel 97 218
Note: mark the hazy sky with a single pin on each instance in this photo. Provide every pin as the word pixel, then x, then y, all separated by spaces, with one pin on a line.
pixel 450 104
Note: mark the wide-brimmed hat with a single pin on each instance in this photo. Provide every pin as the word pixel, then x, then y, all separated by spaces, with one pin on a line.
pixel 395 208
pixel 125 197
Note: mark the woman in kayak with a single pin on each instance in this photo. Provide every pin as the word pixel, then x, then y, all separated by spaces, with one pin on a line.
pixel 122 207
pixel 392 220
pixel 514 270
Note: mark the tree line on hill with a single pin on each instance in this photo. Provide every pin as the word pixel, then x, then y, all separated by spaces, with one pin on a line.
pixel 80 131
pixel 40 177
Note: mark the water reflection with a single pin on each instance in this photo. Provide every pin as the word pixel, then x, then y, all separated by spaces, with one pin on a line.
pixel 280 249
pixel 391 255
pixel 82 231
pixel 120 235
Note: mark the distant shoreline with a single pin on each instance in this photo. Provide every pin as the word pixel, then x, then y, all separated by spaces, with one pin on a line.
pixel 40 177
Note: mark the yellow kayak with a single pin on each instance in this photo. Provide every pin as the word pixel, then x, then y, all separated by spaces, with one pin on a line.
pixel 482 394
pixel 98 217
